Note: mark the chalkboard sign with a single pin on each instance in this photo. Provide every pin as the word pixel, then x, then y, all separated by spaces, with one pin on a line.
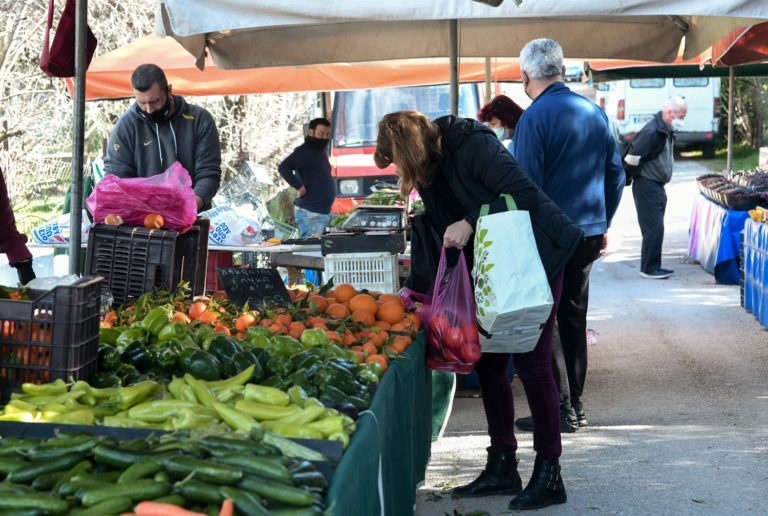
pixel 256 286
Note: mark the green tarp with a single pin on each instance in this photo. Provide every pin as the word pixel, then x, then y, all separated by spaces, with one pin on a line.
pixel 389 451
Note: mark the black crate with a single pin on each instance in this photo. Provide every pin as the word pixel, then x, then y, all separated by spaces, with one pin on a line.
pixel 135 260
pixel 56 335
pixel 337 243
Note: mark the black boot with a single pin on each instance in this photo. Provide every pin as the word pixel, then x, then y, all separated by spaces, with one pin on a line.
pixel 545 488
pixel 499 477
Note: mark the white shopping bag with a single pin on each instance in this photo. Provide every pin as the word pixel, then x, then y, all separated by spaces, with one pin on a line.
pixel 512 293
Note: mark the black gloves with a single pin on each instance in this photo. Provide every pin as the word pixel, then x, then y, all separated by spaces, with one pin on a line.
pixel 25 271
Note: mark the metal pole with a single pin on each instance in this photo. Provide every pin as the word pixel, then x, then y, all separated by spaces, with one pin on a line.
pixel 487 79
pixel 731 91
pixel 454 57
pixel 78 136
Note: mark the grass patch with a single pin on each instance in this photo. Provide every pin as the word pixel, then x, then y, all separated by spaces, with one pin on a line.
pixel 744 158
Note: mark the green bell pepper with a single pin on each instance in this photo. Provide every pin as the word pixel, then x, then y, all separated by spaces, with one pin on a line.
pixel 108 336
pixel 223 348
pixel 200 364
pixel 109 358
pixel 368 375
pixel 331 396
pixel 156 320
pixel 137 355
pixel 330 373
pixel 172 331
pixel 283 346
pixel 280 365
pixel 130 336
pixel 165 358
pixel 314 337
pixel 300 379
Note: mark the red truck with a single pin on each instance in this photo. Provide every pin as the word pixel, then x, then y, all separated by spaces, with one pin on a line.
pixel 355 119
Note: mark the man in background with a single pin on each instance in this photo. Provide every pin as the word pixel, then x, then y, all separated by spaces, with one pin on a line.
pixel 649 160
pixel 159 129
pixel 564 143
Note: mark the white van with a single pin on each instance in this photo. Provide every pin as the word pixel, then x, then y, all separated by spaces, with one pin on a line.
pixel 630 104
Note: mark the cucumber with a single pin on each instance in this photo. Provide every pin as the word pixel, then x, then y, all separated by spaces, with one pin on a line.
pixel 73 487
pixel 118 457
pixel 46 503
pixel 116 505
pixel 33 470
pixel 206 470
pixel 277 491
pixel 198 491
pixel 245 502
pixel 45 451
pixel 137 490
pixel 9 464
pixel 146 467
pixel 259 465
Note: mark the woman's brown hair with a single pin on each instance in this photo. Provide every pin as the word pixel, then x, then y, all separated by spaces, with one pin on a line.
pixel 410 140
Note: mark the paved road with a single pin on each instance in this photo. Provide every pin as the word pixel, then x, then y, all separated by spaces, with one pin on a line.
pixel 676 396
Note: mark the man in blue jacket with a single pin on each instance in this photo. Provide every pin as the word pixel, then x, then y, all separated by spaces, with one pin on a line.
pixel 564 143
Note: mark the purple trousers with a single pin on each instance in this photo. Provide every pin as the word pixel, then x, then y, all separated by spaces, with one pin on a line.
pixel 535 371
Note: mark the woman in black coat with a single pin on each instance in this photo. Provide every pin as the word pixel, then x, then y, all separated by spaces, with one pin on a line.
pixel 457 165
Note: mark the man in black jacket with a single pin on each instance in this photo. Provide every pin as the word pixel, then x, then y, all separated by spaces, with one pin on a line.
pixel 161 128
pixel 649 161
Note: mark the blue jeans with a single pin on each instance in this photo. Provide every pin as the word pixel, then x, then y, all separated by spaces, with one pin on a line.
pixel 309 222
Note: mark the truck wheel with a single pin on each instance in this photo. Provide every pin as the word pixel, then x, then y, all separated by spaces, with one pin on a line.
pixel 708 150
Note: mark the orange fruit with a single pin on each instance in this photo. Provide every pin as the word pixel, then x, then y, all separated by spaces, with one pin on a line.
pixel 401 343
pixel 414 317
pixel 369 348
pixel 154 221
pixel 220 328
pixel 344 293
pixel 363 302
pixel 284 319
pixel 391 312
pixel 380 359
pixel 349 339
pixel 334 336
pixel 320 302
pixel 295 329
pixel 197 309
pixel 180 317
pixel 244 322
pixel 113 220
pixel 337 310
pixel 386 298
pixel 208 317
pixel 364 317
pixel 383 325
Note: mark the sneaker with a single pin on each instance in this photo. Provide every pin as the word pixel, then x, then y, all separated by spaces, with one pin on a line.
pixel 581 418
pixel 667 271
pixel 657 274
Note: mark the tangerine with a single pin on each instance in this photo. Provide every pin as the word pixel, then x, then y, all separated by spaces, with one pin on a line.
pixel 391 312
pixel 337 310
pixel 197 309
pixel 379 359
pixel 320 302
pixel 387 298
pixel 154 221
pixel 364 317
pixel 244 322
pixel 344 293
pixel 113 220
pixel 363 302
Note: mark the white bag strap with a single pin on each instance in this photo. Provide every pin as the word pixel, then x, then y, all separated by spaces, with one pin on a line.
pixel 511 206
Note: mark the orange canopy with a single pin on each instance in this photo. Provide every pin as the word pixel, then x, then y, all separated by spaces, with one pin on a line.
pixel 742 46
pixel 109 74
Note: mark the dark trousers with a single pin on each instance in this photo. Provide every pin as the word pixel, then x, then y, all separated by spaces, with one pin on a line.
pixel 569 351
pixel 651 203
pixel 535 371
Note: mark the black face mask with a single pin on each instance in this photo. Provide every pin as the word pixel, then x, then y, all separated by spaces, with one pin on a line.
pixel 318 143
pixel 159 116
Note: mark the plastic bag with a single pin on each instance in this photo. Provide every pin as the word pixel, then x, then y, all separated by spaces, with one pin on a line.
pixel 453 343
pixel 57 231
pixel 170 194
pixel 230 227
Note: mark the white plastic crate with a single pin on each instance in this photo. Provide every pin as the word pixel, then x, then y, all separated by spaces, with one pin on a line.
pixel 370 271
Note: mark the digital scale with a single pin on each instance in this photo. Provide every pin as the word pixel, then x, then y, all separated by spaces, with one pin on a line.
pixel 369 229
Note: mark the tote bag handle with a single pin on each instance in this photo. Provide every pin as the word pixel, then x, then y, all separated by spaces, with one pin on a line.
pixel 511 205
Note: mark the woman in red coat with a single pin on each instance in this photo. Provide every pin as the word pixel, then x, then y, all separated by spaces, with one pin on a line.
pixel 13 243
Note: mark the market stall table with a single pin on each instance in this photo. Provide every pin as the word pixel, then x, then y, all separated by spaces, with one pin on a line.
pixel 714 239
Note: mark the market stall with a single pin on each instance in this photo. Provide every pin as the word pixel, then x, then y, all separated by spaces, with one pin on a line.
pixel 714 239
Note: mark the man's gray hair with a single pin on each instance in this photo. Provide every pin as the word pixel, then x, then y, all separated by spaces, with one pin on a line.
pixel 542 58
pixel 676 102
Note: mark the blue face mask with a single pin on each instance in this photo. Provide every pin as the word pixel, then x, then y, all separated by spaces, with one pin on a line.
pixel 501 133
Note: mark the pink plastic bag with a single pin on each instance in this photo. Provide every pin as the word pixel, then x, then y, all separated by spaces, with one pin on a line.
pixel 170 194
pixel 453 343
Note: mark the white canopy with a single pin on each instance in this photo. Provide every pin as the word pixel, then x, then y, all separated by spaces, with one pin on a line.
pixel 257 33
